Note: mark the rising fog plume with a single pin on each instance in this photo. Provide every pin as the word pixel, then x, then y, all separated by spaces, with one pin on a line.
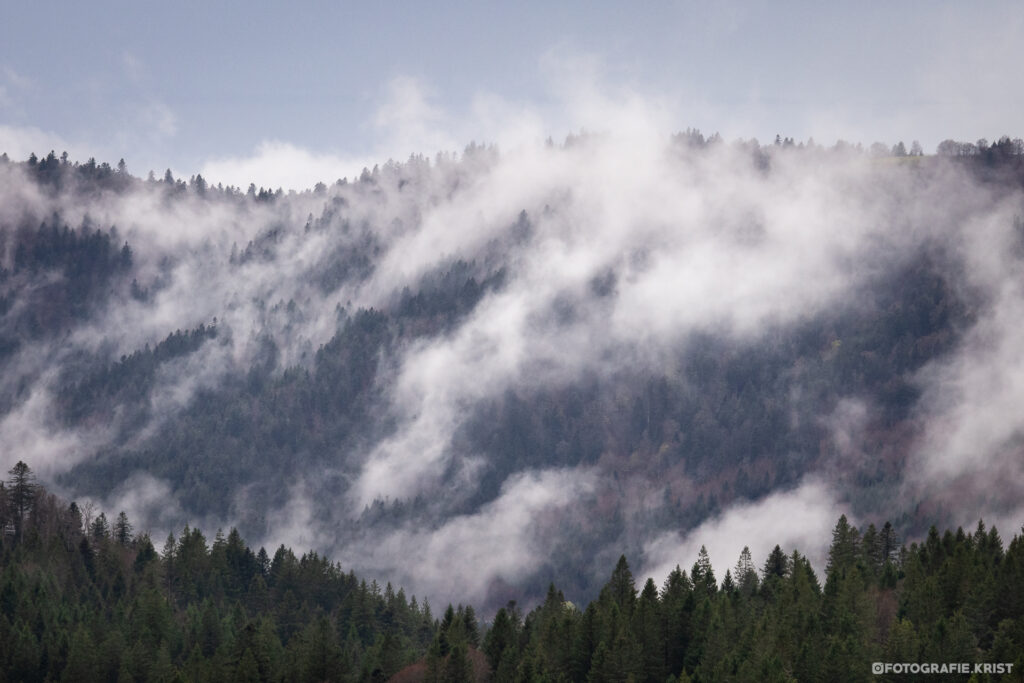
pixel 476 373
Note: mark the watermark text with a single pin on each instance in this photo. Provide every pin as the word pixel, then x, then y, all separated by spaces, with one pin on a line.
pixel 879 668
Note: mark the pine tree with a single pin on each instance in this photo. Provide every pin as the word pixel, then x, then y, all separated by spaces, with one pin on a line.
pixel 620 589
pixel 648 628
pixel 82 664
pixel 445 630
pixel 435 663
pixel 728 585
pixel 871 550
pixel 903 644
pixel 501 636
pixel 746 574
pixel 24 654
pixel 21 494
pixel 777 564
pixel 702 575
pixel 321 654
pixel 162 669
pixel 247 671
pixel 845 549
pixel 457 668
pixel 99 529
pixel 677 610
pixel 169 561
pixel 122 529
pixel 471 626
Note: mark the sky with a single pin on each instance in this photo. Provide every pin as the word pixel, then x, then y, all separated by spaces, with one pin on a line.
pixel 285 95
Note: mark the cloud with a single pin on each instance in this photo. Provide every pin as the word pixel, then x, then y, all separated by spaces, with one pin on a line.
pixel 696 241
pixel 15 79
pixel 409 122
pixel 801 519
pixel 21 141
pixel 134 68
pixel 969 456
pixel 31 433
pixel 159 118
pixel 150 505
pixel 507 540
pixel 12 84
pixel 406 122
pixel 281 164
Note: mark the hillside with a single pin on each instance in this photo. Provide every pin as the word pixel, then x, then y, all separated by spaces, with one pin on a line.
pixel 476 375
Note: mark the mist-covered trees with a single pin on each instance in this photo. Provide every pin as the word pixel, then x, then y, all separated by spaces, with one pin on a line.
pixel 1001 150
pixel 55 276
pixel 306 377
pixel 718 409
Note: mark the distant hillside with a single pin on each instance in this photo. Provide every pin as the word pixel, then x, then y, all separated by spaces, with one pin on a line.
pixel 478 374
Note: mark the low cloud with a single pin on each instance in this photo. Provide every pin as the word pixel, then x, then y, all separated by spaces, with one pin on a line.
pixel 150 505
pixel 801 519
pixel 406 122
pixel 18 142
pixel 462 558
pixel 280 164
pixel 969 458
pixel 31 433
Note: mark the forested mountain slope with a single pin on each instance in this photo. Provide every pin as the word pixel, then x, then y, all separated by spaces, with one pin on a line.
pixel 476 375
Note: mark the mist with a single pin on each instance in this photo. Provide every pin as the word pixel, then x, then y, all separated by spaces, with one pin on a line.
pixel 609 262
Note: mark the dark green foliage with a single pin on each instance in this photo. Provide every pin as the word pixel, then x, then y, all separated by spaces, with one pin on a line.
pixel 219 611
pixel 94 604
pixel 20 496
pixel 502 636
pixel 791 628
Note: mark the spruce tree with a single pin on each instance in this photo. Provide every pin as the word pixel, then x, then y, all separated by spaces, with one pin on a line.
pixel 21 494
pixel 845 549
pixel 702 575
pixel 122 529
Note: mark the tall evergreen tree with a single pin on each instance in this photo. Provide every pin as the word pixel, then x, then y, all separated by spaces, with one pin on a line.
pixel 21 495
pixel 122 529
pixel 702 575
pixel 845 549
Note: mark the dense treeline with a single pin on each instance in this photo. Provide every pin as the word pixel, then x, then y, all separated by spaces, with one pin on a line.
pixel 82 599
pixel 953 598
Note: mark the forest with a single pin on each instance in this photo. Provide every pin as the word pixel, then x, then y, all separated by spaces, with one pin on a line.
pixel 84 598
pixel 395 369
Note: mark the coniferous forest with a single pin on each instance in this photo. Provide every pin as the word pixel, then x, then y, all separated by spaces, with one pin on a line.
pixel 89 599
pixel 442 420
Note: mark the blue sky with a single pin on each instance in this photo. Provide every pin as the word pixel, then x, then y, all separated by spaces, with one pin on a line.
pixel 264 89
